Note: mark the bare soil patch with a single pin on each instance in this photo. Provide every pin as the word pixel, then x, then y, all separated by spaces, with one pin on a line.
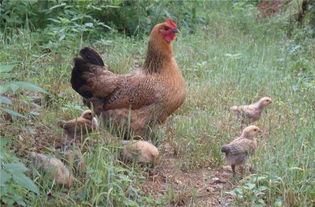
pixel 200 187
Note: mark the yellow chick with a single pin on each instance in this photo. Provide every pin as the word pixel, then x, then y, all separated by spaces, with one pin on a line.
pixel 239 150
pixel 140 151
pixel 81 125
pixel 251 113
pixel 58 170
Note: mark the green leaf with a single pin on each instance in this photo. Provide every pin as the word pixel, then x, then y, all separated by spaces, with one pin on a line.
pixel 13 113
pixel 250 186
pixel 3 191
pixel 21 202
pixel 262 188
pixel 232 193
pixel 56 6
pixel 28 86
pixel 25 182
pixel 5 100
pixel 3 89
pixel 15 167
pixel 4 141
pixel 6 68
pixel 278 203
pixel 5 177
pixel 13 86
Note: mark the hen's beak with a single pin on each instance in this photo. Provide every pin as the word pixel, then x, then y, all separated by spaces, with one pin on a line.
pixel 175 30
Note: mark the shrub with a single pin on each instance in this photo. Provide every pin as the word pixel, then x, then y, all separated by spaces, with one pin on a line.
pixel 15 186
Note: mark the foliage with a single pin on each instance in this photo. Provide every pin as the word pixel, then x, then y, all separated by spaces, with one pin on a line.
pixel 64 18
pixel 13 86
pixel 15 186
pixel 254 191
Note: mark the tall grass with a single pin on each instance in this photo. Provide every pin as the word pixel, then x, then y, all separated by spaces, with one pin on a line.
pixel 232 58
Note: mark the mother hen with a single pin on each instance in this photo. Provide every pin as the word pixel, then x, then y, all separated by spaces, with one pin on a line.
pixel 137 101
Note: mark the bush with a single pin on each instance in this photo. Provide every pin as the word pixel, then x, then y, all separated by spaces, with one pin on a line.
pixel 15 186
pixel 128 17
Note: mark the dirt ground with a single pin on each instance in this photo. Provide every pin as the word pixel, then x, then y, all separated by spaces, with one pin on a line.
pixel 201 187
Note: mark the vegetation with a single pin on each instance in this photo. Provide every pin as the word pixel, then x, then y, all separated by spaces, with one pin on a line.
pixel 229 55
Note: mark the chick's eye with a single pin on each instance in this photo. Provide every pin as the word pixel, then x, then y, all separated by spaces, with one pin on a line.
pixel 255 130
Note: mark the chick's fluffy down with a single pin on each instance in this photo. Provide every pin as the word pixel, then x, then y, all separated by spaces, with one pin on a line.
pixel 139 151
pixel 54 166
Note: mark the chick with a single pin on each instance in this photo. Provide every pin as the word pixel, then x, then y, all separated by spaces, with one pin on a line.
pixel 58 170
pixel 251 113
pixel 238 151
pixel 80 126
pixel 140 151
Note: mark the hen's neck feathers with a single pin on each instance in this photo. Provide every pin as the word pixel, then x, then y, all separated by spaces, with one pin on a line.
pixel 159 52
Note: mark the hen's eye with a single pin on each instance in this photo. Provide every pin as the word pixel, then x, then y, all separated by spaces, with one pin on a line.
pixel 255 130
pixel 166 28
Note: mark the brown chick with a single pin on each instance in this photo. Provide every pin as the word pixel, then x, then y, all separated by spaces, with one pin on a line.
pixel 55 167
pixel 152 93
pixel 81 125
pixel 251 113
pixel 238 151
pixel 140 151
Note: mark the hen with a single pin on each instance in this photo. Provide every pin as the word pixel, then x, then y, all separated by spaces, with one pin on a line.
pixel 238 151
pixel 251 113
pixel 136 101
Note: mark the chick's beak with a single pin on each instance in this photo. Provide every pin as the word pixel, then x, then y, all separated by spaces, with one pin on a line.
pixel 175 30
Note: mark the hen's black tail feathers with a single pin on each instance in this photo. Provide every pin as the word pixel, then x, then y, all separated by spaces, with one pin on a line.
pixel 81 66
pixel 91 56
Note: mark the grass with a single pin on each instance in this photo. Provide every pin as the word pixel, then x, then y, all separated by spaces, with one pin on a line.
pixel 231 59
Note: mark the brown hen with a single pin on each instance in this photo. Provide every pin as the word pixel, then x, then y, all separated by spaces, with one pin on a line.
pixel 138 100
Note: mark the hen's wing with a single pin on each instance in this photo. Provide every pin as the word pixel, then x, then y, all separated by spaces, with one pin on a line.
pixel 106 90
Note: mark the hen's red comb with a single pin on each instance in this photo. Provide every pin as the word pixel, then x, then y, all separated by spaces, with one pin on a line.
pixel 171 23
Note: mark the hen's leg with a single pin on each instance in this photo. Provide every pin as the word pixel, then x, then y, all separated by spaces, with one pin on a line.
pixel 233 170
pixel 132 123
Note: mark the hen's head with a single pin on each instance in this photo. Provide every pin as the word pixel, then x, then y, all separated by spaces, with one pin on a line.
pixel 165 31
pixel 250 131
